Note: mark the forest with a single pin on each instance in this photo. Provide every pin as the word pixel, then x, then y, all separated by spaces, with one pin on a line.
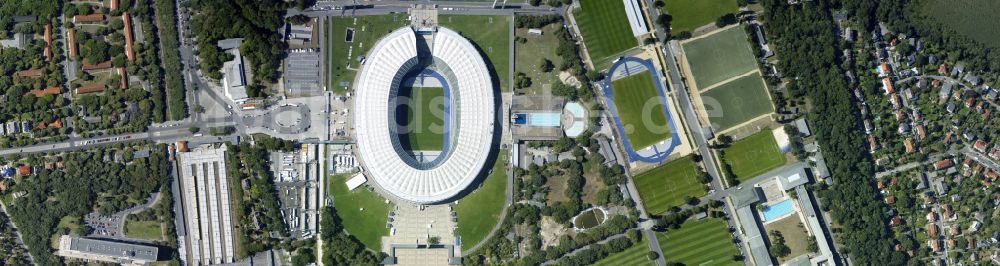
pixel 90 182
pixel 166 17
pixel 804 37
pixel 256 21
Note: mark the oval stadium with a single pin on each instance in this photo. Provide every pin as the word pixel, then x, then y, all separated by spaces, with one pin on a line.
pixel 447 60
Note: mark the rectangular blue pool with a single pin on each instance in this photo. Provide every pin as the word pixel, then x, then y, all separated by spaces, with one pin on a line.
pixel 777 210
pixel 544 119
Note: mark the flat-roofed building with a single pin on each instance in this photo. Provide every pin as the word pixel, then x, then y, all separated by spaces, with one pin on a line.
pixel 95 250
pixel 234 78
pixel 205 194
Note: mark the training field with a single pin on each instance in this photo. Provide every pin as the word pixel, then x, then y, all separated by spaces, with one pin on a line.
pixel 668 184
pixel 720 56
pixel 975 19
pixel 480 210
pixel 425 119
pixel 363 213
pixel 705 242
pixel 753 155
pixel 688 15
pixel 640 110
pixel 491 34
pixel 605 29
pixel 633 256
pixel 741 99
pixel 341 55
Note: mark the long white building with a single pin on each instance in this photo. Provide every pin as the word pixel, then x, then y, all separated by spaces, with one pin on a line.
pixel 471 116
pixel 205 189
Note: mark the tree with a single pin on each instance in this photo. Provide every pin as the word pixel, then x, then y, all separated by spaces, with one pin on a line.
pixel 659 4
pixel 778 247
pixel 652 255
pixel 546 65
pixel 194 130
pixel 535 2
pixel 521 81
pixel 298 19
pixel 725 20
pixel 434 240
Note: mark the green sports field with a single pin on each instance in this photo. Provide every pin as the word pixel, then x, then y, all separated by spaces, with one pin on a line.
pixel 341 55
pixel 148 230
pixel 363 213
pixel 754 155
pixel 668 184
pixel 640 110
pixel 425 119
pixel 705 242
pixel 633 256
pixel 719 56
pixel 491 34
pixel 741 99
pixel 605 29
pixel 480 210
pixel 688 15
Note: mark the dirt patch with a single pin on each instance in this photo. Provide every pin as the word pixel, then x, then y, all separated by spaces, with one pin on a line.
pixel 569 79
pixel 557 188
pixel 551 232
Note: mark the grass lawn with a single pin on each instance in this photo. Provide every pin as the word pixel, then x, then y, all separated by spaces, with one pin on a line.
pixel 70 222
pixel 633 256
pixel 640 110
pixel 148 230
pixel 605 29
pixel 705 242
pixel 424 119
pixel 795 235
pixel 528 57
pixel 668 184
pixel 741 100
pixel 688 15
pixel 480 210
pixel 342 55
pixel 975 19
pixel 754 155
pixel 491 34
pixel 720 56
pixel 367 225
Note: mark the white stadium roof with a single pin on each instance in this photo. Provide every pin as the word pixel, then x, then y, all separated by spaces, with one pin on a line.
pixel 472 111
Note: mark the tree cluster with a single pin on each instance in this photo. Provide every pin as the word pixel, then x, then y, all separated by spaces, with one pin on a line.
pixel 166 17
pixel 250 163
pixel 258 22
pixel 814 65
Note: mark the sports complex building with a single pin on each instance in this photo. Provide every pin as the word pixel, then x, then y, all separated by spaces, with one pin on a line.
pixel 468 114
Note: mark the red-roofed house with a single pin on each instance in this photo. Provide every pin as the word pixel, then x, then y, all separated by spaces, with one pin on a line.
pixel 932 230
pixel 947 137
pixel 910 148
pixel 114 4
pixel 943 164
pixel 934 244
pixel 943 70
pixel 48 42
pixel 90 88
pixel 896 221
pixel 931 217
pixel 101 65
pixel 921 132
pixel 895 101
pixel 23 170
pixel 986 114
pixel 887 86
pixel 32 73
pixel 872 144
pixel 129 51
pixel 890 199
pixel 123 78
pixel 936 83
pixel 88 18
pixel 980 145
pixel 46 91
pixel 72 42
pixel 969 101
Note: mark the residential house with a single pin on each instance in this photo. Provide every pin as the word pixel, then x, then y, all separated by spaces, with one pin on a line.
pixel 973 79
pixel 101 65
pixel 959 69
pixel 980 145
pixel 910 147
pixel 887 86
pixel 921 132
pixel 91 88
pixel 88 18
pixel 943 164
pixel 932 230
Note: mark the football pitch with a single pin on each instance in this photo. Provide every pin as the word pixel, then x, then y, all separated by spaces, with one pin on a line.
pixel 640 110
pixel 635 255
pixel 425 119
pixel 668 184
pixel 720 56
pixel 753 155
pixel 491 34
pixel 342 52
pixel 741 99
pixel 605 29
pixel 688 15
pixel 704 242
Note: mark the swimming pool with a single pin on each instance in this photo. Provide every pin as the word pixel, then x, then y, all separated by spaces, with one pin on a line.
pixel 777 210
pixel 544 119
